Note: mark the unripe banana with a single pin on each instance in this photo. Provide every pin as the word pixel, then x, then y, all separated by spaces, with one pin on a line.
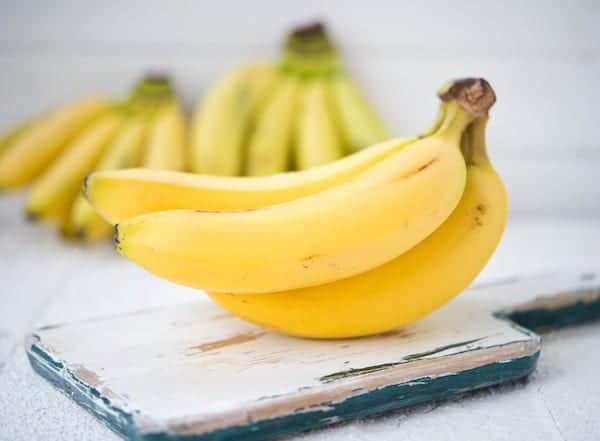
pixel 358 122
pixel 122 194
pixel 270 144
pixel 317 139
pixel 405 289
pixel 222 121
pixel 62 180
pixel 31 153
pixel 124 151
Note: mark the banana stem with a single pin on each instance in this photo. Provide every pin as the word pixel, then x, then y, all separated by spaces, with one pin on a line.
pixel 455 122
pixel 308 52
pixel 474 95
pixel 467 99
pixel 437 123
pixel 150 92
pixel 473 142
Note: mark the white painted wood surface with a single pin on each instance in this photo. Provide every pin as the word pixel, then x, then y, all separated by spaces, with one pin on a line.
pixel 543 58
pixel 193 370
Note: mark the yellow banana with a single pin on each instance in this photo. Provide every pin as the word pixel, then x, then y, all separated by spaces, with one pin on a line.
pixel 165 149
pixel 408 287
pixel 14 133
pixel 222 121
pixel 31 153
pixel 270 144
pixel 124 151
pixel 317 239
pixel 317 139
pixel 122 194
pixel 358 122
pixel 62 180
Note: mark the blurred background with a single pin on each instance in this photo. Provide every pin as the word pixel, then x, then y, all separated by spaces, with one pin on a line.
pixel 542 58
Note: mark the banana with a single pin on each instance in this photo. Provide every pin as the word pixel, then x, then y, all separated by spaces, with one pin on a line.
pixel 222 121
pixel 31 153
pixel 318 141
pixel 122 194
pixel 270 144
pixel 124 151
pixel 14 133
pixel 408 287
pixel 358 122
pixel 328 236
pixel 165 149
pixel 62 180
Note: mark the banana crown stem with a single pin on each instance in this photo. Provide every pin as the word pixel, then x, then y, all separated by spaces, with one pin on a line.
pixel 308 52
pixel 475 95
pixel 466 100
pixel 150 93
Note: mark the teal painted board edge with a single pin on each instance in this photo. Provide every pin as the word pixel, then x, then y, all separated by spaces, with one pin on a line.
pixel 85 396
pixel 538 318
pixel 392 397
pixel 385 399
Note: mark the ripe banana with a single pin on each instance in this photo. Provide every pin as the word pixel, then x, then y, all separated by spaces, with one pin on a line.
pixel 317 139
pixel 408 287
pixel 224 117
pixel 165 148
pixel 11 135
pixel 328 236
pixel 270 144
pixel 358 121
pixel 124 151
pixel 122 194
pixel 32 152
pixel 61 182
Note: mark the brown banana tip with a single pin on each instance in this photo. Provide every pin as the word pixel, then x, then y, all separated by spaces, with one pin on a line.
pixel 116 240
pixel 31 216
pixel 79 234
pixel 309 30
pixel 84 186
pixel 156 77
pixel 475 95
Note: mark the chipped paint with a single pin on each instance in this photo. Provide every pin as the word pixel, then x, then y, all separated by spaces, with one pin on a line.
pixel 235 340
pixel 376 368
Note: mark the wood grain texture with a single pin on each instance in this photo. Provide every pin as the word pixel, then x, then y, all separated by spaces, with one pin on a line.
pixel 192 372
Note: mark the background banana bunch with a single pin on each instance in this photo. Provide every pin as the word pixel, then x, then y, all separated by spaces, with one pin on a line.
pixel 301 112
pixel 57 150
pixel 259 119
pixel 355 247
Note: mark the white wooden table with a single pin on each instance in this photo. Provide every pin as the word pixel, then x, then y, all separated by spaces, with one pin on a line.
pixel 43 280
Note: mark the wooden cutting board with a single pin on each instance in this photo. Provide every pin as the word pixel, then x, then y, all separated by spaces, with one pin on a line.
pixel 194 372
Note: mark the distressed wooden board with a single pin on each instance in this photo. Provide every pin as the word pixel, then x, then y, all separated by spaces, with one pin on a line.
pixel 193 372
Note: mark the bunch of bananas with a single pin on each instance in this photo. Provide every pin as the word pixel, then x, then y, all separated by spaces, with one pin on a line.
pixel 58 149
pixel 262 119
pixel 355 247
